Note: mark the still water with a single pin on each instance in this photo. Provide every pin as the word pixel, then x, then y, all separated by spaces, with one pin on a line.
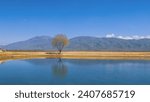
pixel 74 72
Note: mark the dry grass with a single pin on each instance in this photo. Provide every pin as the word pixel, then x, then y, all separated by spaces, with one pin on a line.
pixel 74 55
pixel 106 55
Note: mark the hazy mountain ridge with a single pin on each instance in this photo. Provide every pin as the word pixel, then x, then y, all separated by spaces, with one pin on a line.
pixel 84 43
pixel 109 44
pixel 36 43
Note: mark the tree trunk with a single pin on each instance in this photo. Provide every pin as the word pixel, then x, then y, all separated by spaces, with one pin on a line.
pixel 59 51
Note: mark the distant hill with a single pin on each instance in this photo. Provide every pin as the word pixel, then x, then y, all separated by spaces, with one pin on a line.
pixel 36 43
pixel 1 46
pixel 108 44
pixel 84 43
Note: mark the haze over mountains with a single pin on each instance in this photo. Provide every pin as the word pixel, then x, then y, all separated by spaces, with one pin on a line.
pixel 83 43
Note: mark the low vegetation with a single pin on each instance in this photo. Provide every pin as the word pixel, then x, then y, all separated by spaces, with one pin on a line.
pixel 75 55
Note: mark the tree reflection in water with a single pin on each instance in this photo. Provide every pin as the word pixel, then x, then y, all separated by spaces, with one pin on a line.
pixel 59 69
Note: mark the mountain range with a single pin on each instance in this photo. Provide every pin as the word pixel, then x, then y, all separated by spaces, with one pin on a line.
pixel 83 43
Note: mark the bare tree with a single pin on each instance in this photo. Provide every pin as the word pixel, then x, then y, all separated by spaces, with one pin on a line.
pixel 60 41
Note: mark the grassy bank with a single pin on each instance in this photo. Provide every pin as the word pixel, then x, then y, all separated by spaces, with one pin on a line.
pixel 74 55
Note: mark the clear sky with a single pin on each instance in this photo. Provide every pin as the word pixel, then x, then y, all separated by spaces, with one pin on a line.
pixel 23 19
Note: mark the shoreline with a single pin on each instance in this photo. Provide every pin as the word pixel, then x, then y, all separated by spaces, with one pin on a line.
pixel 97 55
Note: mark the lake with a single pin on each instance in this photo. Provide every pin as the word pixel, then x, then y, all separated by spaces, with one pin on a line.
pixel 75 72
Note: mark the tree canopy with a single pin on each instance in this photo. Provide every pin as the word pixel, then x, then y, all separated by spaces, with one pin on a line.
pixel 59 42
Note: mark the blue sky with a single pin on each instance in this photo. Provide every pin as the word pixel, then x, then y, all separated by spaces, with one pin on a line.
pixel 23 19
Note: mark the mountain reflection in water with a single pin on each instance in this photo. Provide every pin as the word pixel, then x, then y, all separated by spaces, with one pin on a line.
pixel 75 72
